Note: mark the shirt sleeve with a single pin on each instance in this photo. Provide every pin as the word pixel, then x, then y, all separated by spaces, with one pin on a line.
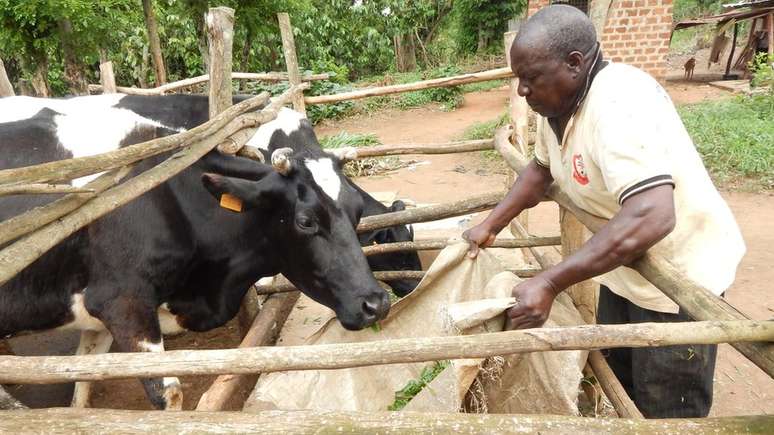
pixel 632 144
pixel 541 150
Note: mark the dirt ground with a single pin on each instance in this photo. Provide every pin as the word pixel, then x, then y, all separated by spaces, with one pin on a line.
pixel 741 388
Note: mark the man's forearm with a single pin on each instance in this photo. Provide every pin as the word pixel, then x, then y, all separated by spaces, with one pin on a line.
pixel 642 222
pixel 528 190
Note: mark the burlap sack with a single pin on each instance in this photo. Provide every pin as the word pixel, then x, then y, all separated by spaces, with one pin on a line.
pixel 430 310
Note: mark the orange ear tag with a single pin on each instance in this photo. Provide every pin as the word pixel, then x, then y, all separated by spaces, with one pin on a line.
pixel 231 202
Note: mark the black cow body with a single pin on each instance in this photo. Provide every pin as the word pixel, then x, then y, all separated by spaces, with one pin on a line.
pixel 174 252
pixel 189 111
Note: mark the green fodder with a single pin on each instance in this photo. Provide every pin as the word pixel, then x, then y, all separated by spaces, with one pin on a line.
pixel 735 138
pixel 414 386
pixel 346 139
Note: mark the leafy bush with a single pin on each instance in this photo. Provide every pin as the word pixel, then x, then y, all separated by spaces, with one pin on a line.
pixel 762 69
pixel 735 138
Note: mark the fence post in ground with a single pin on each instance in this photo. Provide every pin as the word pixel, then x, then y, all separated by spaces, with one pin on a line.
pixel 583 294
pixel 289 49
pixel 106 76
pixel 220 36
pixel 6 90
pixel 519 113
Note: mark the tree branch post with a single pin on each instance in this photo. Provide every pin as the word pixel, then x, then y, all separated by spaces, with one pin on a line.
pixel 289 49
pixel 220 37
pixel 6 90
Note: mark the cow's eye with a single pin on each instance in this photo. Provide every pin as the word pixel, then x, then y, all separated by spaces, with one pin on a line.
pixel 306 223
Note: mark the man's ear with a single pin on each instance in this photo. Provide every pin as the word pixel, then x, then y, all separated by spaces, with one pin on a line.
pixel 235 194
pixel 574 62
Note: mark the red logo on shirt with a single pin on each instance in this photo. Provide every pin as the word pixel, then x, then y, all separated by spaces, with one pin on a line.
pixel 579 170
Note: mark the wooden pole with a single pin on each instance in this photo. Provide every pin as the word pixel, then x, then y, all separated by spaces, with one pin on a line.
pixel 389 275
pixel 495 74
pixel 289 49
pixel 169 87
pixel 693 299
pixel 67 420
pixel 430 213
pixel 54 369
pixel 583 294
pixel 444 148
pixel 69 169
pixel 6 90
pixel 31 220
pixel 612 387
pixel 519 110
pixel 41 189
pixel 264 331
pixel 727 75
pixel 770 32
pixel 23 252
pixel 220 37
pixel 106 76
pixel 431 244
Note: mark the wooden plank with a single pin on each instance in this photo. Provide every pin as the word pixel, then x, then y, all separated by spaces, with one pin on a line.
pixel 495 74
pixel 64 420
pixel 695 300
pixel 432 244
pixel 289 50
pixel 106 76
pixel 54 369
pixel 583 294
pixel 442 148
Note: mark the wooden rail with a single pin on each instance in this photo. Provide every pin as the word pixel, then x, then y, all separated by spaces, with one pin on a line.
pixel 64 420
pixel 54 369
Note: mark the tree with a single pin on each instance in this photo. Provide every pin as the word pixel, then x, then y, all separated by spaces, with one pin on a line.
pixel 154 42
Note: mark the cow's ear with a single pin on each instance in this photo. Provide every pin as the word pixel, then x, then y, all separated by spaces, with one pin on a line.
pixel 235 194
pixel 398 205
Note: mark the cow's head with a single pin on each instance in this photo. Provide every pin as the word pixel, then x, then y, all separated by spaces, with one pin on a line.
pixel 312 238
pixel 394 260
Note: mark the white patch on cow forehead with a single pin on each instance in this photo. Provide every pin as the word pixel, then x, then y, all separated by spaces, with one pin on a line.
pixel 95 131
pixel 18 108
pixel 287 120
pixel 325 176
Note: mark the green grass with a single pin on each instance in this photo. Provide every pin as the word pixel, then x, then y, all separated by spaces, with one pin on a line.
pixel 736 139
pixel 414 386
pixel 345 139
pixel 482 86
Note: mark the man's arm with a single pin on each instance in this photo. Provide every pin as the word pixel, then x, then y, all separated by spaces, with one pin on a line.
pixel 644 219
pixel 528 190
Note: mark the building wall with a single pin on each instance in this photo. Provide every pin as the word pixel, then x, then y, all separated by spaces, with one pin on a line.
pixel 636 32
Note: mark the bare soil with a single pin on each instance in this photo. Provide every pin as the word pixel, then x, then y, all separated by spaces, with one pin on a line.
pixel 741 388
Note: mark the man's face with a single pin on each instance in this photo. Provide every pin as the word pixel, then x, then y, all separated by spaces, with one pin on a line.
pixel 550 85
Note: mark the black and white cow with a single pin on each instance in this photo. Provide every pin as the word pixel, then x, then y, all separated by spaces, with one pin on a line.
pixel 174 259
pixel 291 130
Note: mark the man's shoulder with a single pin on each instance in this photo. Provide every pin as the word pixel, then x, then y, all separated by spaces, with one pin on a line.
pixel 620 85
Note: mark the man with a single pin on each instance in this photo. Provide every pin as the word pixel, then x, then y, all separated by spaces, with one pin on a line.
pixel 610 137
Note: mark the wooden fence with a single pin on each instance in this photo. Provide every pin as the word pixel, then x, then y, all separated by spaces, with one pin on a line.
pixel 36 231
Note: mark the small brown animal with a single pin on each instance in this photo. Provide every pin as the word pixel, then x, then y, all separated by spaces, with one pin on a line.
pixel 688 67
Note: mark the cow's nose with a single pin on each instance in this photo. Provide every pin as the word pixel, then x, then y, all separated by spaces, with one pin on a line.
pixel 376 306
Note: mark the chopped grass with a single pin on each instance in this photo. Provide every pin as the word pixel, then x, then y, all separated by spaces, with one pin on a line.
pixel 345 139
pixel 736 139
pixel 414 386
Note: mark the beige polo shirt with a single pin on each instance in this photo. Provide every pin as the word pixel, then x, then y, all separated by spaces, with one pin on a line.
pixel 627 137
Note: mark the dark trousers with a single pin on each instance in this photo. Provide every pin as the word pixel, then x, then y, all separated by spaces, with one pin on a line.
pixel 664 382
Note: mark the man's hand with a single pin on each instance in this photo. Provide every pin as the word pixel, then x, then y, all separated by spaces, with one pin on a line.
pixel 480 236
pixel 534 298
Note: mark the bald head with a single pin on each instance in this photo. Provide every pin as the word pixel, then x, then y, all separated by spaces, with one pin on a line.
pixel 556 31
